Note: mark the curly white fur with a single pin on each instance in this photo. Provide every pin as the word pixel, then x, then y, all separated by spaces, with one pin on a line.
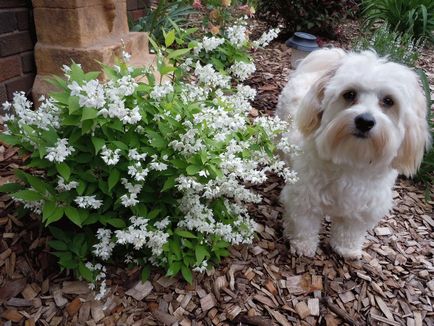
pixel 345 171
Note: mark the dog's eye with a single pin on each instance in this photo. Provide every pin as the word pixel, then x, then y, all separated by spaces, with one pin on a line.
pixel 350 95
pixel 387 102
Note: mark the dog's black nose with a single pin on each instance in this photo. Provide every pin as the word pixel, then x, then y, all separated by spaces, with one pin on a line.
pixel 364 122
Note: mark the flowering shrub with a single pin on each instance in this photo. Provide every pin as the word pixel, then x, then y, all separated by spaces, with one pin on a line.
pixel 146 171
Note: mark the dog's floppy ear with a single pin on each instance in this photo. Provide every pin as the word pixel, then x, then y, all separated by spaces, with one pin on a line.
pixel 309 115
pixel 417 136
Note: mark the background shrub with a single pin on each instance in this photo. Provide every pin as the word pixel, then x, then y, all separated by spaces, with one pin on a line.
pixel 415 17
pixel 320 17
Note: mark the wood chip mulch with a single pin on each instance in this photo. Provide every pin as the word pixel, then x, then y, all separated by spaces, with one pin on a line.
pixel 260 284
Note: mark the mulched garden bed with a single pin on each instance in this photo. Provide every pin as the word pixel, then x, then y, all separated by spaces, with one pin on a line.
pixel 261 284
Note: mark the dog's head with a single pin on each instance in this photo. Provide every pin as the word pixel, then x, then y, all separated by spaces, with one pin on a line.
pixel 366 111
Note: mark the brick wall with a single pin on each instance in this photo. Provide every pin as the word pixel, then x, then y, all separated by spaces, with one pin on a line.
pixel 136 9
pixel 17 39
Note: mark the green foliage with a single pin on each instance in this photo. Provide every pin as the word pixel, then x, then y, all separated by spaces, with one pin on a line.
pixel 162 18
pixel 144 170
pixel 399 47
pixel 320 17
pixel 415 17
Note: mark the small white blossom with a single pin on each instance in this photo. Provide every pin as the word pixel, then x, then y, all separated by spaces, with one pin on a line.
pixel 266 38
pixel 88 202
pixel 237 35
pixel 62 186
pixel 211 43
pixel 242 70
pixel 161 91
pixel 60 151
pixel 109 156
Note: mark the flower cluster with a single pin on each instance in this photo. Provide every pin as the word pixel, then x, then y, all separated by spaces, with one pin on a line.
pixel 266 38
pixel 156 171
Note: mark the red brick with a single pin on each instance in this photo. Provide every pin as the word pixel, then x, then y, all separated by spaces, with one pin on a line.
pixel 137 14
pixel 141 4
pixel 8 22
pixel 3 95
pixel 13 3
pixel 10 67
pixel 15 43
pixel 22 83
pixel 131 5
pixel 23 19
pixel 28 62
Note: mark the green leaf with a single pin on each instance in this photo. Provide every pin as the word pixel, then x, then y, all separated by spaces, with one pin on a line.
pixel 169 183
pixel 58 245
pixel 120 145
pixel 193 169
pixel 10 187
pixel 74 215
pixel 85 272
pixel 98 143
pixel 55 216
pixel 63 170
pixel 201 253
pixel 174 268
pixel 176 53
pixel 164 70
pixel 59 234
pixel 186 273
pixel 156 140
pixel 91 75
pixel 48 209
pixel 116 222
pixel 146 271
pixel 37 183
pixel 28 195
pixel 81 187
pixel 113 179
pixel 185 234
pixel 89 114
pixel 169 38
pixel 73 104
pixel 9 139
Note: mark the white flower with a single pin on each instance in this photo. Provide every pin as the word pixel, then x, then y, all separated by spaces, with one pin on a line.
pixel 60 151
pixel 242 70
pixel 211 43
pixel 88 202
pixel 94 95
pixel 237 35
pixel 62 186
pixel 129 200
pixel 126 56
pixel 161 91
pixel 266 38
pixel 75 88
pixel 161 225
pixel 208 76
pixel 133 154
pixel 109 156
pixel 104 248
pixel 137 171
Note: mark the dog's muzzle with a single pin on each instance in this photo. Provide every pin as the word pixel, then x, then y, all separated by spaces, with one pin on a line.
pixel 364 122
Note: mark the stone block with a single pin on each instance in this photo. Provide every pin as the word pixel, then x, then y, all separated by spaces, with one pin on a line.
pixel 132 4
pixel 8 21
pixel 15 43
pixel 13 3
pixel 50 59
pixel 10 67
pixel 85 23
pixel 3 96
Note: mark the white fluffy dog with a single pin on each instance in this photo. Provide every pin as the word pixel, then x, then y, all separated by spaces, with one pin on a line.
pixel 360 121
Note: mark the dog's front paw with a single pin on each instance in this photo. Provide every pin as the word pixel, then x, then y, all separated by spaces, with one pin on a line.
pixel 347 252
pixel 303 247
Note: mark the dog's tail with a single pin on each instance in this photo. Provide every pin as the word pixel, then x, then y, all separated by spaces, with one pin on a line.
pixel 320 60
